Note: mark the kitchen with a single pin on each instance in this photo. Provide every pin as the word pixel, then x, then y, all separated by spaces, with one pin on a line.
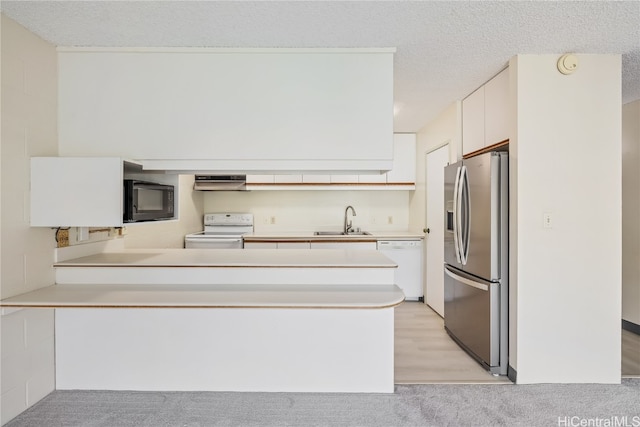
pixel 408 217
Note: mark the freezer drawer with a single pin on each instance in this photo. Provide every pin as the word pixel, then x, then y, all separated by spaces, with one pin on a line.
pixel 472 315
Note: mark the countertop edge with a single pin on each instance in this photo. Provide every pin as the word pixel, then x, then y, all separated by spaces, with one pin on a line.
pixel 309 237
pixel 234 259
pixel 220 297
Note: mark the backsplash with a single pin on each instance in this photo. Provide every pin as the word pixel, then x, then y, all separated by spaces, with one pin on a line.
pixel 277 211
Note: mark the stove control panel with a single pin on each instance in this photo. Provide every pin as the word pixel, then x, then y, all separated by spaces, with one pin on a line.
pixel 221 218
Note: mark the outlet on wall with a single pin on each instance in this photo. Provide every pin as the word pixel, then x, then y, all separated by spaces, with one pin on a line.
pixel 272 220
pixel 390 219
pixel 82 234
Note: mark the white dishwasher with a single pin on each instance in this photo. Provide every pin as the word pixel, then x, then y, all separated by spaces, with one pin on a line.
pixel 408 255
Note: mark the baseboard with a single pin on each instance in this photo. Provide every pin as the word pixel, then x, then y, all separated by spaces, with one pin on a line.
pixel 631 327
pixel 512 374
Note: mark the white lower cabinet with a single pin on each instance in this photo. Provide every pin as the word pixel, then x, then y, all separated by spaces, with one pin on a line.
pixel 294 245
pixel 260 245
pixel 344 245
pixel 310 245
pixel 276 245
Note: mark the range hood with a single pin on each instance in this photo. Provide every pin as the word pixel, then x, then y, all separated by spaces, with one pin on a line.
pixel 220 183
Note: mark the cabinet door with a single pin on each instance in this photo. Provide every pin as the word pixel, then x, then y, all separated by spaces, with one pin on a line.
pixel 473 122
pixel 288 179
pixel 316 179
pixel 260 245
pixel 344 179
pixel 260 179
pixel 229 107
pixel 294 245
pixel 344 245
pixel 496 109
pixel 404 159
pixel 373 179
pixel 76 191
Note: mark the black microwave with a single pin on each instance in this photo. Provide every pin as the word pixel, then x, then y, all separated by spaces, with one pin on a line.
pixel 147 201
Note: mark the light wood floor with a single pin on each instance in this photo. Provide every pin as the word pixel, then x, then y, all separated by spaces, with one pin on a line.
pixel 630 354
pixel 424 353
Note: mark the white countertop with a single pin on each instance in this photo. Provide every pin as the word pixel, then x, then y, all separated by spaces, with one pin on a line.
pixel 208 296
pixel 297 236
pixel 270 258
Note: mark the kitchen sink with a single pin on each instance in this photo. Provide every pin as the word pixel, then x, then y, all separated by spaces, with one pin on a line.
pixel 342 233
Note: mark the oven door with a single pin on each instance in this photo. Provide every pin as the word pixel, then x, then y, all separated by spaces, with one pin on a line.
pixel 209 241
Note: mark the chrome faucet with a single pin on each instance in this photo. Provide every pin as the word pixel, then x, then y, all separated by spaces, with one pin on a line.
pixel 348 225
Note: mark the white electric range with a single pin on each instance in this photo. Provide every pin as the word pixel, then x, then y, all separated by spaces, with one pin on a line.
pixel 221 231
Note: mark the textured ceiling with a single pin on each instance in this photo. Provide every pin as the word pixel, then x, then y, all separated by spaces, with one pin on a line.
pixel 444 49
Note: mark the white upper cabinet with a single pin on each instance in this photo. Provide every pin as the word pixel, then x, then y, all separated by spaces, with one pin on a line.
pixel 496 109
pixel 260 179
pixel 288 179
pixel 229 110
pixel 76 192
pixel 84 191
pixel 316 179
pixel 473 121
pixel 485 115
pixel 402 176
pixel 404 160
pixel 345 179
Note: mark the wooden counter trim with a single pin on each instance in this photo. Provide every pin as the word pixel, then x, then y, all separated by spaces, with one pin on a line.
pixel 331 184
pixel 346 239
pixel 487 149
pixel 247 296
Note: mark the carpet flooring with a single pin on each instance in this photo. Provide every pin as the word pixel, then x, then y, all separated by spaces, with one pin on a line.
pixel 411 405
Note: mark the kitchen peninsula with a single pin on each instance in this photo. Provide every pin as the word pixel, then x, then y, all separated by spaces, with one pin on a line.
pixel 192 319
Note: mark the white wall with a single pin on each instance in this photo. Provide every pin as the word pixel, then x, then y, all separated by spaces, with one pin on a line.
pixel 170 234
pixel 631 212
pixel 29 128
pixel 315 210
pixel 444 129
pixel 566 153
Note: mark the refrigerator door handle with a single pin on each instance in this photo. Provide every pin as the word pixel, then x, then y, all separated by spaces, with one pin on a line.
pixel 466 206
pixel 456 206
pixel 466 281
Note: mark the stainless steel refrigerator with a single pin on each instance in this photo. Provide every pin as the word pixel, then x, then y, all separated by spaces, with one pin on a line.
pixel 476 256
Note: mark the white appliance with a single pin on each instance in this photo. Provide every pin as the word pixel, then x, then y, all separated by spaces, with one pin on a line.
pixel 408 255
pixel 221 231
